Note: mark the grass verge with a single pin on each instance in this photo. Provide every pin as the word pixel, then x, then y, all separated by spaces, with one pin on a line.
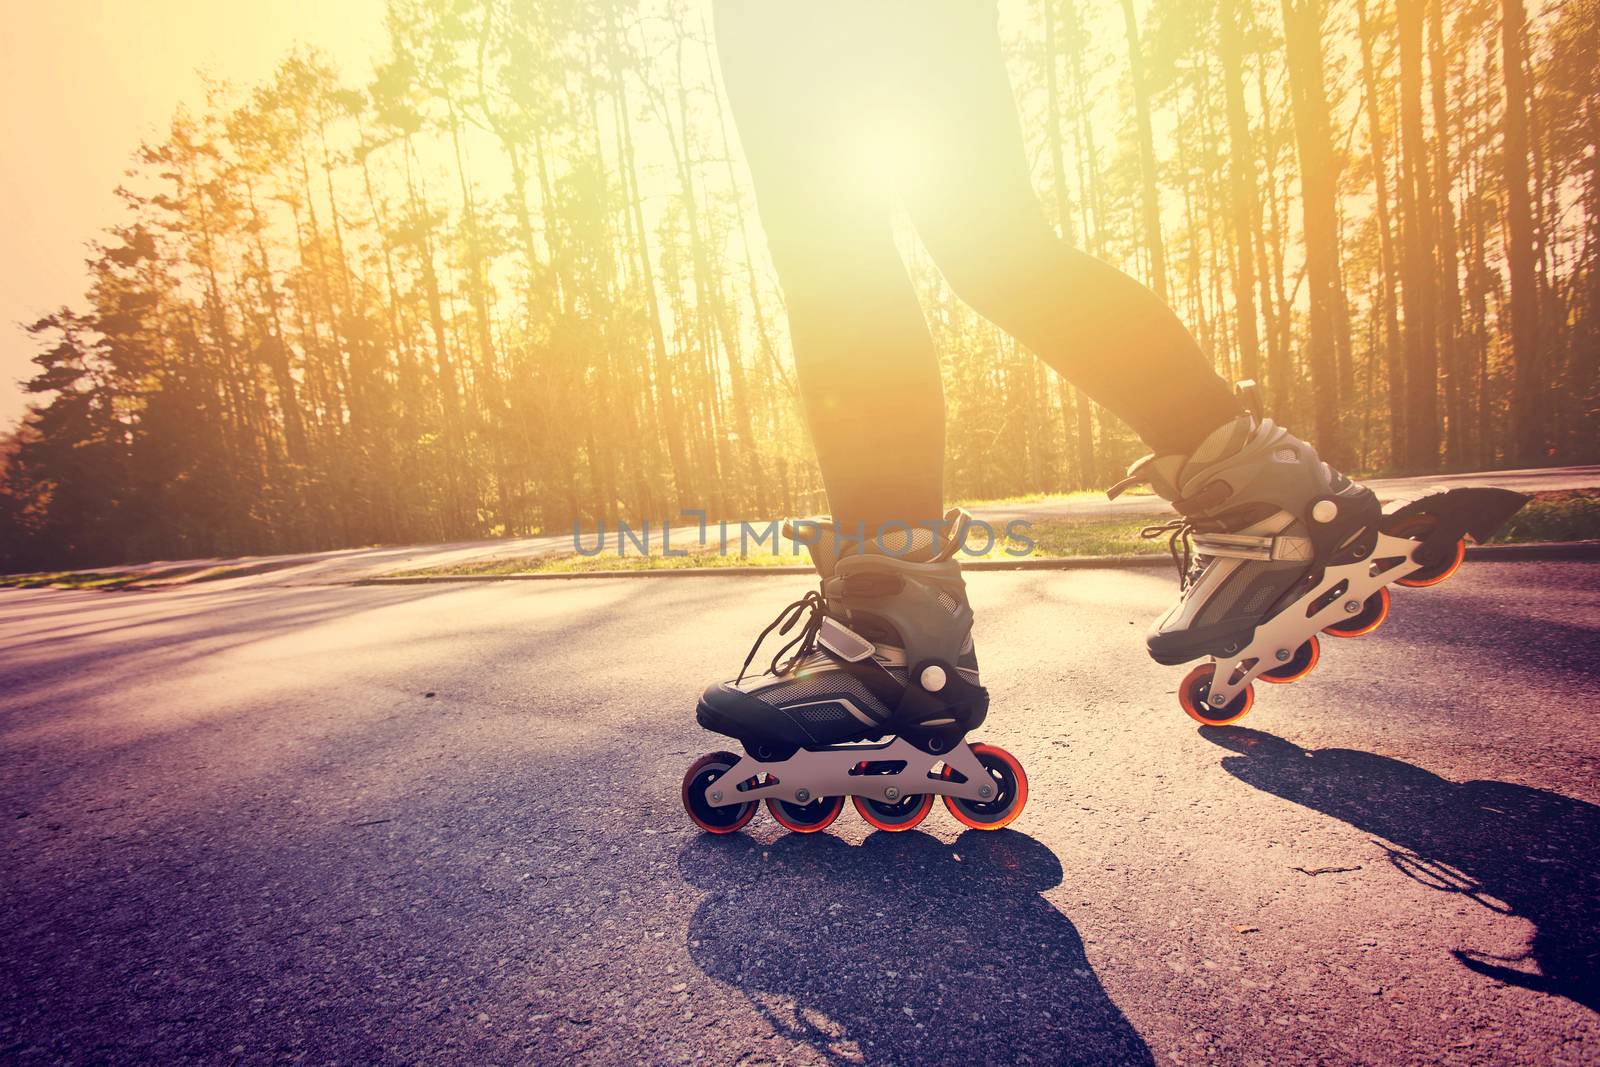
pixel 68 580
pixel 1052 539
pixel 1040 498
pixel 1573 516
pixel 110 581
pixel 1561 516
pixel 101 581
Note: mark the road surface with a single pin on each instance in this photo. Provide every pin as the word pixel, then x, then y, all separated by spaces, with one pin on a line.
pixel 437 823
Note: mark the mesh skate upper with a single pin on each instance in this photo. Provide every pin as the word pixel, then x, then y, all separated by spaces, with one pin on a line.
pixel 822 714
pixel 825 683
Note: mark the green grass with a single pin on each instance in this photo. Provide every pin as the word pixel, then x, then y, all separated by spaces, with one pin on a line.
pixel 102 581
pixel 1548 517
pixel 68 580
pixel 1042 498
pixel 699 557
pixel 110 581
pixel 1053 539
pixel 1065 539
pixel 1571 516
pixel 1567 516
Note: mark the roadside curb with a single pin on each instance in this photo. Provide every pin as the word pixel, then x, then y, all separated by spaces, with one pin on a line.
pixel 1540 550
pixel 1546 551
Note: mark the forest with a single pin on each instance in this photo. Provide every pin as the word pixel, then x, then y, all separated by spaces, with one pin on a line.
pixel 513 278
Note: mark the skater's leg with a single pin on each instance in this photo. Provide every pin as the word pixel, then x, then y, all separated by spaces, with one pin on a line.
pixel 1284 546
pixel 968 190
pixel 885 654
pixel 868 375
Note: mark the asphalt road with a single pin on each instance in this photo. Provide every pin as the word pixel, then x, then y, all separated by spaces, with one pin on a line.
pixel 441 823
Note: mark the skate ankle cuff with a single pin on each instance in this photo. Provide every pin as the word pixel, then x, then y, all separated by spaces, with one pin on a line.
pixel 1228 439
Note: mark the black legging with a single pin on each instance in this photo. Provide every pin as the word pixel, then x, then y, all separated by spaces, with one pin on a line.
pixel 821 88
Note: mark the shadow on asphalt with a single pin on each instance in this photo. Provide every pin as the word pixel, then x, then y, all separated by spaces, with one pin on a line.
pixel 1509 848
pixel 904 949
pixel 140 640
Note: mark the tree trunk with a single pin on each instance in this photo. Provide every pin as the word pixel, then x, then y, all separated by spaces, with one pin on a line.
pixel 1093 217
pixel 1147 157
pixel 1071 399
pixel 1449 303
pixel 1244 207
pixel 666 402
pixel 1422 427
pixel 1527 418
pixel 275 349
pixel 1274 305
pixel 1319 185
pixel 1389 301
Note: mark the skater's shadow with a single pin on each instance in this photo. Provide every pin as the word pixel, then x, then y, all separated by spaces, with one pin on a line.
pixel 904 949
pixel 1510 848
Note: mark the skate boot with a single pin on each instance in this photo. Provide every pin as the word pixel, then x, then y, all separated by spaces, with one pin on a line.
pixel 1274 547
pixel 872 698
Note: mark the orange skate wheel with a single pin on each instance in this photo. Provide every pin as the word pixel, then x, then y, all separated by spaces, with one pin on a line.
pixel 1418 527
pixel 904 814
pixel 1010 783
pixel 1371 616
pixel 805 818
pixel 723 819
pixel 1194 694
pixel 1298 665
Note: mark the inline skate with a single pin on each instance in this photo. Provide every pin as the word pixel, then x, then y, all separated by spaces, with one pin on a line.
pixel 1277 547
pixel 872 698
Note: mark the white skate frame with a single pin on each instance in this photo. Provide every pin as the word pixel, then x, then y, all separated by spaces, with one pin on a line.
pixel 825 772
pixel 1287 630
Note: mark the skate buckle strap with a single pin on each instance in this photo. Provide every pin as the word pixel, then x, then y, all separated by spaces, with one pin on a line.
pixel 1138 474
pixel 1248 546
pixel 843 642
pixel 1147 472
pixel 957 522
pixel 1213 494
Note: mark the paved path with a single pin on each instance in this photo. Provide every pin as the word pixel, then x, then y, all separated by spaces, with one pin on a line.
pixel 348 565
pixel 441 823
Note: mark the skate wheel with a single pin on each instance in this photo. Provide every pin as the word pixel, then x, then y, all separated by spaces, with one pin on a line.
pixel 902 814
pixel 1010 791
pixel 721 819
pixel 1194 692
pixel 1298 666
pixel 1371 616
pixel 1418 527
pixel 805 818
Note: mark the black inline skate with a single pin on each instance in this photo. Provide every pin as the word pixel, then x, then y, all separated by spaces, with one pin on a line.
pixel 872 698
pixel 1278 547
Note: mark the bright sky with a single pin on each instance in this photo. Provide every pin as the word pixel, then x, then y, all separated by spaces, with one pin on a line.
pixel 83 81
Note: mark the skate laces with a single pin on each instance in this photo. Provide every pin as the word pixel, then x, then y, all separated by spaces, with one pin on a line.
pixel 1187 562
pixel 814 607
